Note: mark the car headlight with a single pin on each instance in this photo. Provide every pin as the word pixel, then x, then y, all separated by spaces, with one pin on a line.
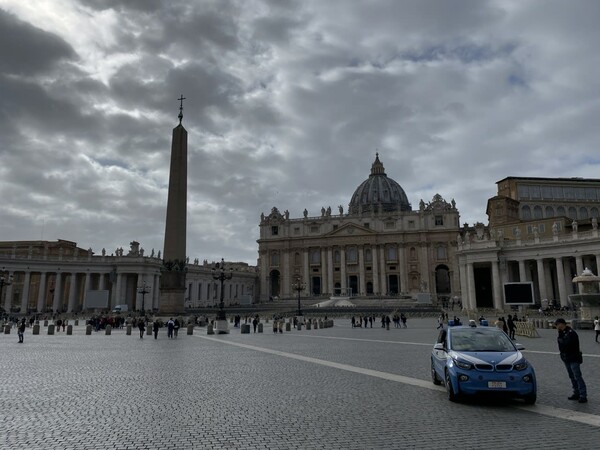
pixel 463 364
pixel 521 365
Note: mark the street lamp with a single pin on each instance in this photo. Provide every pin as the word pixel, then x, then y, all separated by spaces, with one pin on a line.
pixel 298 285
pixel 143 289
pixel 5 282
pixel 219 273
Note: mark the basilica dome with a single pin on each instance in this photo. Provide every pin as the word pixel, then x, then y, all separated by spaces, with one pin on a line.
pixel 378 193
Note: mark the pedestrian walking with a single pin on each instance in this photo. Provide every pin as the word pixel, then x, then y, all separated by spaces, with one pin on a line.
pixel 142 328
pixel 511 327
pixel 403 319
pixel 176 326
pixel 570 354
pixel 597 328
pixel 255 323
pixel 21 331
pixel 155 328
pixel 170 326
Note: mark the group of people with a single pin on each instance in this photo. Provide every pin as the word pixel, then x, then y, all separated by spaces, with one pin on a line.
pixel 399 321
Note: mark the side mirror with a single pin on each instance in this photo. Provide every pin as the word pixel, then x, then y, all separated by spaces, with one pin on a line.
pixel 439 346
pixel 519 346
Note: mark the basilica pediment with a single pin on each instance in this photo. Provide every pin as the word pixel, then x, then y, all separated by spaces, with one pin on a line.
pixel 350 229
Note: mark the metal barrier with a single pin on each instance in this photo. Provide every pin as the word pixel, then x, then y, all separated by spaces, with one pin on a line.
pixel 527 329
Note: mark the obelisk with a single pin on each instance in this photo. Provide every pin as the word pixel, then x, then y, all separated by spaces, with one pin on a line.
pixel 172 279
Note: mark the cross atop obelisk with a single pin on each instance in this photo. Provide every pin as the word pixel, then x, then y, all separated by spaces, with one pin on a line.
pixel 172 279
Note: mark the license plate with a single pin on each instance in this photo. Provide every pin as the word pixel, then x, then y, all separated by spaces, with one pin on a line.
pixel 497 384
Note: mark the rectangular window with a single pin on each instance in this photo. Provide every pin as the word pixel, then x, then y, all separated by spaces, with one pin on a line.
pixel 389 225
pixel 335 227
pixel 557 192
pixel 523 191
pixel 274 259
pixel 439 221
pixel 411 224
pixel 534 191
pixel 351 255
pixel 274 230
pixel 315 256
pixel 391 254
pixel 547 192
pixel 569 193
pixel 542 228
pixel 590 193
pixel 441 253
pixel 296 230
pixel 314 228
pixel 367 225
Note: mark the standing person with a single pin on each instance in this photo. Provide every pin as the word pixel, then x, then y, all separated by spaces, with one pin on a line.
pixel 142 328
pixel 170 326
pixel 511 327
pixel 176 327
pixel 597 328
pixel 21 331
pixel 255 323
pixel 403 319
pixel 570 353
pixel 155 328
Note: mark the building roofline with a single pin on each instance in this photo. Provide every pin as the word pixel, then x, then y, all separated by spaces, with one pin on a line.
pixel 572 179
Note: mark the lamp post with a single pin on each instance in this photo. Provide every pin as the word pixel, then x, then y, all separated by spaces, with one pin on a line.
pixel 219 273
pixel 5 282
pixel 143 289
pixel 298 285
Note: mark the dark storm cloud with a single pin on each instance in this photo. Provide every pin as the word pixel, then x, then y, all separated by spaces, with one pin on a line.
pixel 27 50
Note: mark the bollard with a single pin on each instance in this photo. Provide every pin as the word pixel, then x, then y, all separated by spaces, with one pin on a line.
pixel 36 329
pixel 245 328
pixel 45 323
pixel 69 330
pixel 190 329
pixel 50 329
pixel 108 330
pixel 210 329
pixel 88 330
pixel 6 329
pixel 76 322
pixel 128 332
pixel 288 326
pixel 308 325
pixel 260 327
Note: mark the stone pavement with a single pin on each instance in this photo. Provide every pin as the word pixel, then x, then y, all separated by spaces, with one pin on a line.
pixel 335 388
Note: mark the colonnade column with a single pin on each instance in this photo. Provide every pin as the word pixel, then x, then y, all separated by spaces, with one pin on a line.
pixel 382 270
pixel 306 274
pixel 361 271
pixel 87 286
pixel 375 270
pixel 72 292
pixel 541 279
pixel 138 297
pixel 330 270
pixel 562 288
pixel 57 300
pixel 42 293
pixel 597 264
pixel 324 271
pixel 285 282
pixel 116 295
pixel 343 280
pixel 25 299
pixel 496 286
pixel 156 292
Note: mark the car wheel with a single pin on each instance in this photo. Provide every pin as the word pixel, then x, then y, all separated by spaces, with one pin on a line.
pixel 452 396
pixel 434 376
pixel 530 399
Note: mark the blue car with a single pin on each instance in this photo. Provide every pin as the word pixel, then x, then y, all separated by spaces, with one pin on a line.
pixel 472 360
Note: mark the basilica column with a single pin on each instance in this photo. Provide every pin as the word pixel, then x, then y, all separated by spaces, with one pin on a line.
pixel 541 279
pixel 424 264
pixel 324 271
pixel 522 273
pixel 330 270
pixel 285 272
pixel 375 270
pixel 472 301
pixel 57 300
pixel 403 269
pixel 306 275
pixel 383 273
pixel 25 299
pixel 72 292
pixel 42 293
pixel 562 288
pixel 496 287
pixel 464 284
pixel 361 271
pixel 579 264
pixel 8 294
pixel 343 269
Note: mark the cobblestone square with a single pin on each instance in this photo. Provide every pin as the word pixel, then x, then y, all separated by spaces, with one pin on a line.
pixel 339 388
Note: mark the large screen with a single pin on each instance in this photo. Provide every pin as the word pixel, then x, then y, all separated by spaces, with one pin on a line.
pixel 519 293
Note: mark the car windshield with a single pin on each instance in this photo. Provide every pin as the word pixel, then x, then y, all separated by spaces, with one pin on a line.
pixel 478 340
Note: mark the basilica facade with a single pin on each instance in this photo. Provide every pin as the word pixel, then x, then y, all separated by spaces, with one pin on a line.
pixel 380 247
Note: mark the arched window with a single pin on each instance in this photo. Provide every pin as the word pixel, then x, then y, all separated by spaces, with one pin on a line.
pixel 274 259
pixel 537 212
pixel 594 212
pixel 549 212
pixel 560 211
pixel 315 256
pixel 336 256
pixel 526 212
pixel 351 254
pixel 572 214
pixel 391 253
pixel 583 213
pixel 441 252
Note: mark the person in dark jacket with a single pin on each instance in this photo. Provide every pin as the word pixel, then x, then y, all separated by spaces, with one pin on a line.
pixel 511 327
pixel 570 353
pixel 142 328
pixel 155 328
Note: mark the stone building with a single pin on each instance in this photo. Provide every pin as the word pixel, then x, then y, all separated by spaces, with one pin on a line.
pixel 379 247
pixel 541 230
pixel 55 276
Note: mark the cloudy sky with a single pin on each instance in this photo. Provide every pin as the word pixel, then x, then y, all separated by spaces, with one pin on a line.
pixel 287 103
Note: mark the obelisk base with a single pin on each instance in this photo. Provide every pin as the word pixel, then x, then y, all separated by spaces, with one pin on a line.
pixel 221 326
pixel 172 301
